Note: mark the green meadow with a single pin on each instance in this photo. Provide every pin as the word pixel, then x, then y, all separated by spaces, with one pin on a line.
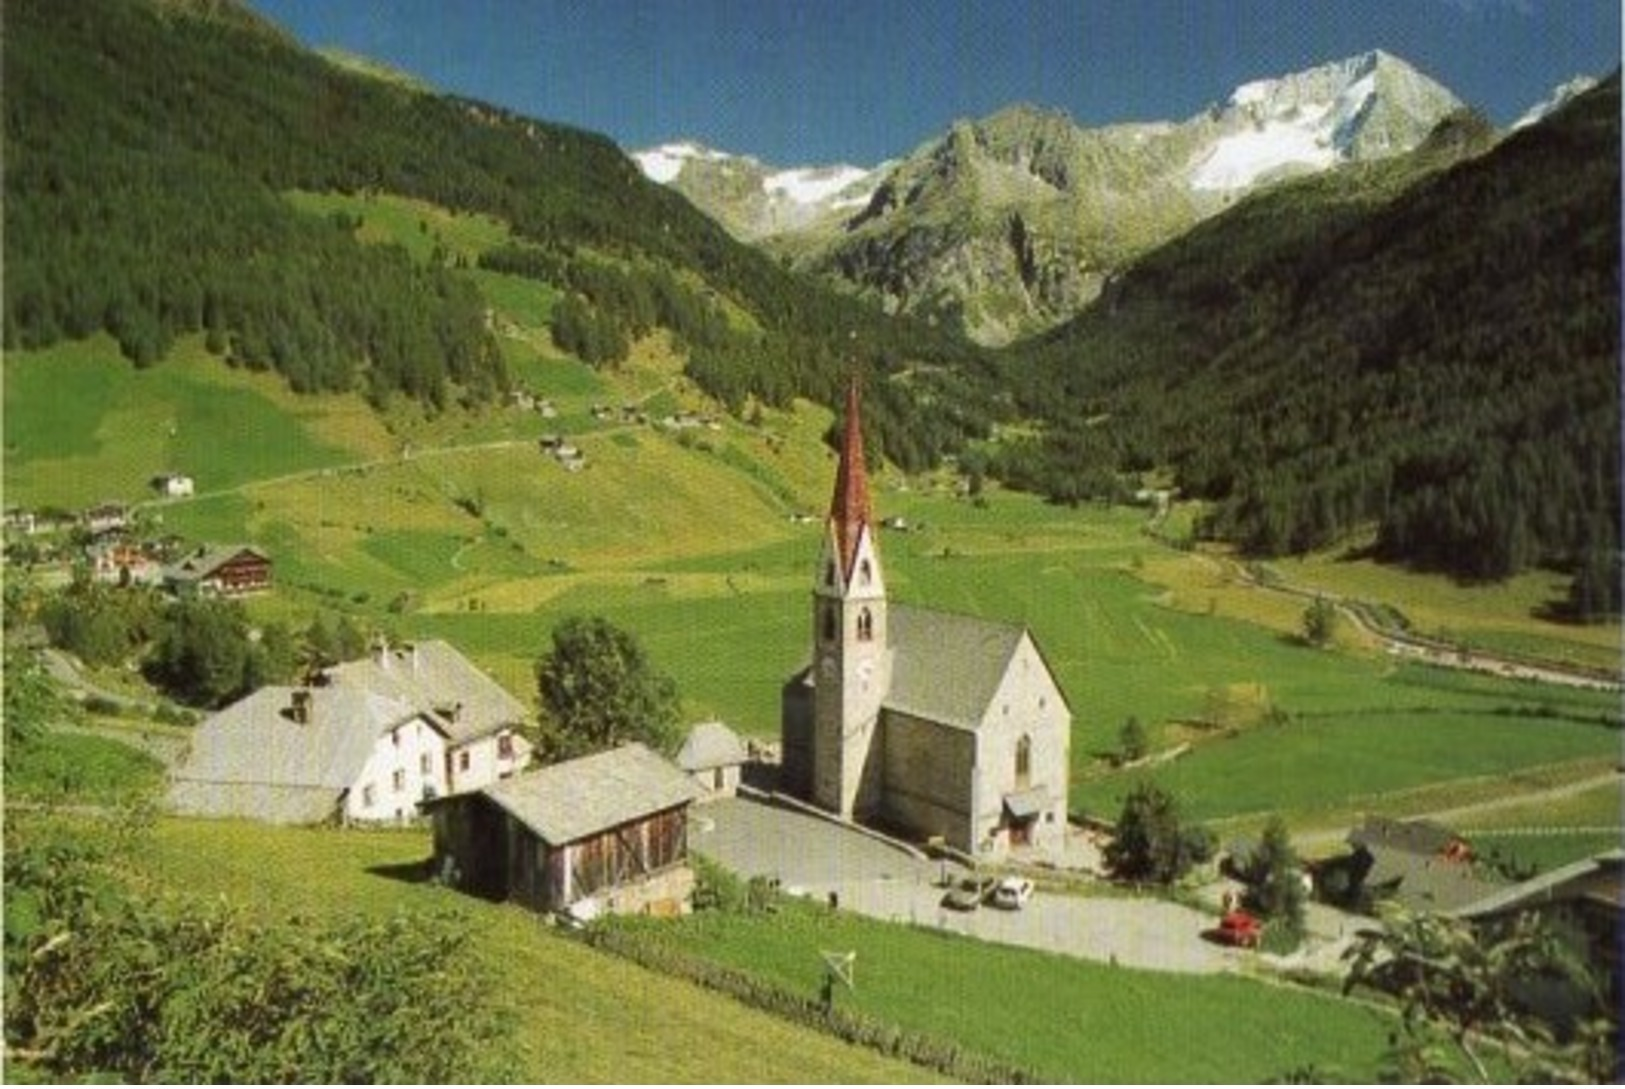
pixel 1068 1020
pixel 459 526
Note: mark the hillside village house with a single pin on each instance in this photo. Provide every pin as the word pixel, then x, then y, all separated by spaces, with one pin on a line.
pixel 605 833
pixel 929 723
pixel 226 571
pixel 174 485
pixel 365 744
pixel 714 757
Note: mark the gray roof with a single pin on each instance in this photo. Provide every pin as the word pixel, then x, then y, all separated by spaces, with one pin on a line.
pixel 1419 837
pixel 432 676
pixel 578 798
pixel 205 562
pixel 947 667
pixel 711 745
pixel 1597 876
pixel 253 759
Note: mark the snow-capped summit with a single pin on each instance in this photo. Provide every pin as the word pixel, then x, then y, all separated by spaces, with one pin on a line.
pixel 751 198
pixel 1363 107
pixel 1560 97
pixel 662 164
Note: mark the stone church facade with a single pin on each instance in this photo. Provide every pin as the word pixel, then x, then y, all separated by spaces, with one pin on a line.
pixel 924 722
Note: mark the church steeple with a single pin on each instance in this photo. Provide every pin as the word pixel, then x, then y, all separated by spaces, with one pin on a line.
pixel 849 509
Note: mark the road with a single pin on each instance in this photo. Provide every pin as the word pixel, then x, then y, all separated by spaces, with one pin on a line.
pixel 817 857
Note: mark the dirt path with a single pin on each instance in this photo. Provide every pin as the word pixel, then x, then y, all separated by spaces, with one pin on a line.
pixel 1419 648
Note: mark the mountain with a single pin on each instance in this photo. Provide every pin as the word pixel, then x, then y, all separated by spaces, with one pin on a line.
pixel 1561 95
pixel 1008 225
pixel 1426 347
pixel 155 154
pixel 753 200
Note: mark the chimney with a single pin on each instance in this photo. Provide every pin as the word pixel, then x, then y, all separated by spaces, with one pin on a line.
pixel 300 708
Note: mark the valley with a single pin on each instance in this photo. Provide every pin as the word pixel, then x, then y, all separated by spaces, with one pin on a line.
pixel 1307 492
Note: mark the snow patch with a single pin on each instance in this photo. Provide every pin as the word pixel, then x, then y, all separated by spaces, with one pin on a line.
pixel 1560 96
pixel 1238 161
pixel 812 185
pixel 662 164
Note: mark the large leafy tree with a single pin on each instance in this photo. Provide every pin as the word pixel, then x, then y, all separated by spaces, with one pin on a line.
pixel 599 689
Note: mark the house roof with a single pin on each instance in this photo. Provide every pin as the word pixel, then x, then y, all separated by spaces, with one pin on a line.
pixel 434 677
pixel 1424 882
pixel 1417 837
pixel 711 745
pixel 947 667
pixel 294 768
pixel 566 802
pixel 1598 877
pixel 205 562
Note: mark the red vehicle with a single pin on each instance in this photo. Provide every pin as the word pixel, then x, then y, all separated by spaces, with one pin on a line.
pixel 1240 929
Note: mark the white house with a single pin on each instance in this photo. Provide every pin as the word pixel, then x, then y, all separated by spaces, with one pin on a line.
pixel 367 743
pixel 174 485
pixel 714 757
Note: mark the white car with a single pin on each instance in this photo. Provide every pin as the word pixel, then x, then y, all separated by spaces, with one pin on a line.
pixel 1012 892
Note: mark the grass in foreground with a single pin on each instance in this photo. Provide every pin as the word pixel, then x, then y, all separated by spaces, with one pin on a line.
pixel 1070 1020
pixel 583 1016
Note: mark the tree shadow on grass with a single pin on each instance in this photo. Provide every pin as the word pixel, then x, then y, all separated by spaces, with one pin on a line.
pixel 411 873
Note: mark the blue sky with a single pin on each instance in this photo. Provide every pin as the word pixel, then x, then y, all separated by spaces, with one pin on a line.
pixel 824 81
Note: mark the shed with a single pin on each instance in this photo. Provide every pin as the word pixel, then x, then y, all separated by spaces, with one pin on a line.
pixel 607 832
pixel 713 756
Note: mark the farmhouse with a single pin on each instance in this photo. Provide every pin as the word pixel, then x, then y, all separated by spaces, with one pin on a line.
pixel 605 833
pixel 174 485
pixel 934 724
pixel 105 517
pixel 714 757
pixel 224 571
pixel 365 743
pixel 1418 864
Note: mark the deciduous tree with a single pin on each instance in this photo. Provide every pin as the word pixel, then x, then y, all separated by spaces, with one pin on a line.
pixel 599 689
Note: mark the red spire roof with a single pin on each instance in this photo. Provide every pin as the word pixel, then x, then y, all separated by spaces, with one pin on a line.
pixel 849 507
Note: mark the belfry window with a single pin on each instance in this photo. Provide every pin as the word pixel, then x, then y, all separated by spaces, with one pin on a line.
pixel 828 624
pixel 866 573
pixel 866 626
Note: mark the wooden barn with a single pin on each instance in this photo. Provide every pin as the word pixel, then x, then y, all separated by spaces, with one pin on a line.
pixel 606 833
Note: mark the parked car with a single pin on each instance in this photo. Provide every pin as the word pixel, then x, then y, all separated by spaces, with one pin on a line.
pixel 1011 893
pixel 1240 929
pixel 969 893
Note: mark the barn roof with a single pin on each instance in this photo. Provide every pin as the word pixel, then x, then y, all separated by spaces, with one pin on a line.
pixel 566 802
pixel 434 677
pixel 256 759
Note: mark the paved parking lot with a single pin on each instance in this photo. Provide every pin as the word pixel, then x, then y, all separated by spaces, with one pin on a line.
pixel 816 856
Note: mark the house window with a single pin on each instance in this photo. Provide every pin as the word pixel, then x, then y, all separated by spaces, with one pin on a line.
pixel 398 780
pixel 425 764
pixel 369 797
pixel 505 746
pixel 866 626
pixel 395 738
pixel 717 779
pixel 462 760
pixel 1024 762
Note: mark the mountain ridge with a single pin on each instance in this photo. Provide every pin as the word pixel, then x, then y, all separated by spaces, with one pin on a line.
pixel 1005 226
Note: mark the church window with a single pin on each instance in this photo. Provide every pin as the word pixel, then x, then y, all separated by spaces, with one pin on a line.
pixel 866 573
pixel 829 624
pixel 829 573
pixel 1024 762
pixel 866 626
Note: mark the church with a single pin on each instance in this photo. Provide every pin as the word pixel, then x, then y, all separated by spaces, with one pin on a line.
pixel 926 723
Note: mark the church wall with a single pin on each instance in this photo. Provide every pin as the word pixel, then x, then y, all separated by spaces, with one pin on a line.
pixel 1028 703
pixel 796 738
pixel 928 772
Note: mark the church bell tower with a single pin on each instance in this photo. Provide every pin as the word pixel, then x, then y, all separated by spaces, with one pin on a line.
pixel 850 657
